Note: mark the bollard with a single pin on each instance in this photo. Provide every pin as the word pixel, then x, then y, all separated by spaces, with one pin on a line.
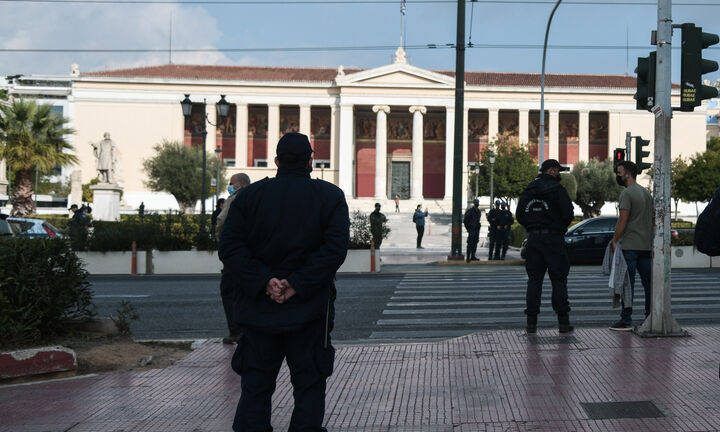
pixel 133 262
pixel 372 256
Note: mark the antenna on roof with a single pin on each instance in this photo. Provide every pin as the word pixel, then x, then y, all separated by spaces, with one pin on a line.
pixel 170 37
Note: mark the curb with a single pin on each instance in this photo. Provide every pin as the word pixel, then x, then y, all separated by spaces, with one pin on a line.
pixel 36 361
pixel 481 263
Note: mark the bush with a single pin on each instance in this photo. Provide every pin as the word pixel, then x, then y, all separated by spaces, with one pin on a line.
pixel 680 223
pixel 360 234
pixel 686 237
pixel 43 283
pixel 517 235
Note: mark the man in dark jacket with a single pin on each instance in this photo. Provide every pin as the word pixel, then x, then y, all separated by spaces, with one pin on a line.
pixel 282 243
pixel 545 210
pixel 472 225
pixel 492 216
pixel 504 222
pixel 377 221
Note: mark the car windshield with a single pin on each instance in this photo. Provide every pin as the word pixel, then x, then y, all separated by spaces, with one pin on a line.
pixel 5 228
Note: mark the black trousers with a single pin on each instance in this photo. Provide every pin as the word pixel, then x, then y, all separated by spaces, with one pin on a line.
pixel 377 239
pixel 258 358
pixel 502 241
pixel 472 242
pixel 228 299
pixel 421 231
pixel 546 252
pixel 492 236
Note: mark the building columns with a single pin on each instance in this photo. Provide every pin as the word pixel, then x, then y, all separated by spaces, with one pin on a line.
pixel 493 124
pixel 381 151
pixel 273 132
pixel 584 136
pixel 524 126
pixel 305 120
pixel 346 156
pixel 334 134
pixel 241 136
pixel 416 187
pixel 449 150
pixel 554 132
pixel 616 137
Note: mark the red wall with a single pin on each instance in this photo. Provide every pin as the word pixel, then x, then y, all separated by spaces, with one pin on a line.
pixel 365 168
pixel 434 169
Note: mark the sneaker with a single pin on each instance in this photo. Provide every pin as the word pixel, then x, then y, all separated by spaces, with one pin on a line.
pixel 420 247
pixel 621 326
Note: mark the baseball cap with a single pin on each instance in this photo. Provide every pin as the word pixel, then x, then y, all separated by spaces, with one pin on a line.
pixel 552 163
pixel 73 207
pixel 294 143
pixel 476 201
pixel 497 202
pixel 377 204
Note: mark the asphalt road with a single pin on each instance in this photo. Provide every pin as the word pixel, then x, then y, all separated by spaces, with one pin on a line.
pixel 410 303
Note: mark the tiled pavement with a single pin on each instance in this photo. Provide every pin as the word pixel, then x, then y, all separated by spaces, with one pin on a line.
pixel 492 381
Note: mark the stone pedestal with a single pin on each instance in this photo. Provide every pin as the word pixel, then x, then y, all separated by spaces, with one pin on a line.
pixel 3 187
pixel 3 178
pixel 76 188
pixel 106 202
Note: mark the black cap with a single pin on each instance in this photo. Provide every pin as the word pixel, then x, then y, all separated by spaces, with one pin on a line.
pixel 377 204
pixel 73 207
pixel 552 163
pixel 476 201
pixel 294 143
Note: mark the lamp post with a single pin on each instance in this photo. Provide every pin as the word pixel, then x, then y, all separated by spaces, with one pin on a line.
pixel 218 150
pixel 477 174
pixel 492 163
pixel 222 111
pixel 541 150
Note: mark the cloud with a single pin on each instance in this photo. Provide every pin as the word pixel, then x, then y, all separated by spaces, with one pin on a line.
pixel 99 26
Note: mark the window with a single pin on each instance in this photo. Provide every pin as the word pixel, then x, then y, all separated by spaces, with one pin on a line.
pixel 261 163
pixel 321 163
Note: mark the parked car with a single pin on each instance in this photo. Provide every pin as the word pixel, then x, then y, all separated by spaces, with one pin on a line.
pixel 5 230
pixel 33 228
pixel 587 240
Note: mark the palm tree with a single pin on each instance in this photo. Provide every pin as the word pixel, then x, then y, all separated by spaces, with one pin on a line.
pixel 32 136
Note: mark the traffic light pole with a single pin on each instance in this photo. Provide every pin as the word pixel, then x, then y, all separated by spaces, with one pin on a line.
pixel 456 234
pixel 661 322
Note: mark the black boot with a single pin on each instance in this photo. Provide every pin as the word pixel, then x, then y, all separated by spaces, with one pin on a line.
pixel 564 324
pixel 531 327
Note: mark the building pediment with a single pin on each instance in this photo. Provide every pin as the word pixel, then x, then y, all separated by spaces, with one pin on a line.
pixel 395 75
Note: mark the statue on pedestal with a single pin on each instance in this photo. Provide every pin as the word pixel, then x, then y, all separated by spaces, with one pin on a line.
pixel 105 159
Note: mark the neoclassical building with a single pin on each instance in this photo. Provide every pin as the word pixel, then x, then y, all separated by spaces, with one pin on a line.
pixel 376 132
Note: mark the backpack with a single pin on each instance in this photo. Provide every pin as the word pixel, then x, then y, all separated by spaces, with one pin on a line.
pixel 707 230
pixel 414 218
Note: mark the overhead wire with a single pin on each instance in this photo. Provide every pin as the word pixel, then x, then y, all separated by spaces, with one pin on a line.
pixel 355 2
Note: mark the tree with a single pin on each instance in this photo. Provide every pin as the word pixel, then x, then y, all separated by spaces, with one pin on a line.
pixel 596 185
pixel 702 177
pixel 513 169
pixel 177 169
pixel 568 181
pixel 678 166
pixel 32 137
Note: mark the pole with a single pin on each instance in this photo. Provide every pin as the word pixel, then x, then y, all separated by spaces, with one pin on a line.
pixel 217 175
pixel 372 256
pixel 541 132
pixel 628 139
pixel 455 247
pixel 492 192
pixel 204 181
pixel 661 322
pixel 133 260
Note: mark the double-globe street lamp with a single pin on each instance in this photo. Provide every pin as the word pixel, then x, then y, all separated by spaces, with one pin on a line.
pixel 491 157
pixel 223 107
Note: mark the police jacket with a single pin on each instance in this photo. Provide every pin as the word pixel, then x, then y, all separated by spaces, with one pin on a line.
pixel 545 204
pixel 288 227
pixel 472 219
pixel 492 216
pixel 376 222
pixel 505 218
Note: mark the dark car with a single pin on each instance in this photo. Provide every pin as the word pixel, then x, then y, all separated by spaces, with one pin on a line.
pixel 34 228
pixel 587 240
pixel 5 230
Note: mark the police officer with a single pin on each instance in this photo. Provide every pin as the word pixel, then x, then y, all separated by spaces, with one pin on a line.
pixel 545 210
pixel 472 225
pixel 283 241
pixel 505 221
pixel 492 216
pixel 377 221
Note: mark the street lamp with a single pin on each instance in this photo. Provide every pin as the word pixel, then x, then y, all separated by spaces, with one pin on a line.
pixel 218 150
pixel 477 174
pixel 491 156
pixel 541 150
pixel 222 111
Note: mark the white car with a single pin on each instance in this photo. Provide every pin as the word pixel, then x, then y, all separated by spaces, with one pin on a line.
pixel 26 227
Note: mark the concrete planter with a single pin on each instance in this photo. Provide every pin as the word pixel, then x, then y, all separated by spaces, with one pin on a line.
pixel 186 262
pixel 358 261
pixel 689 257
pixel 102 263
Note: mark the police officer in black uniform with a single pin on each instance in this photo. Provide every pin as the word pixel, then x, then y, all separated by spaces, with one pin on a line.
pixel 283 241
pixel 505 220
pixel 545 210
pixel 492 216
pixel 472 225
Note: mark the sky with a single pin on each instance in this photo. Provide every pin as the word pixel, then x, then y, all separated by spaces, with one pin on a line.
pixel 287 33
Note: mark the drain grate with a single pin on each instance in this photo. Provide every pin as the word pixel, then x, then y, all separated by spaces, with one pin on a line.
pixel 621 410
pixel 552 340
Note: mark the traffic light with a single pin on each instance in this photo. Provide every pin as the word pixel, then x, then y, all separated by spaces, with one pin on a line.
pixel 641 154
pixel 694 66
pixel 618 156
pixel 645 70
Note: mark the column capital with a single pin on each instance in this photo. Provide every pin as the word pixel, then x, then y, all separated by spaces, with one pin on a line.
pixel 383 108
pixel 420 108
pixel 584 111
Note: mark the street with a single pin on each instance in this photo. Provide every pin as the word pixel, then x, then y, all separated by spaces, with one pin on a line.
pixel 404 303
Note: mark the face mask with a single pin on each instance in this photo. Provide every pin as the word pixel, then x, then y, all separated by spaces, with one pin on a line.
pixel 620 180
pixel 231 189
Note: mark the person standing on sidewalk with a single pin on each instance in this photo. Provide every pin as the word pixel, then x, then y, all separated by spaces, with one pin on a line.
pixel 492 216
pixel 377 221
pixel 397 203
pixel 634 230
pixel 545 210
pixel 504 222
pixel 283 241
pixel 472 225
pixel 419 219
pixel 237 182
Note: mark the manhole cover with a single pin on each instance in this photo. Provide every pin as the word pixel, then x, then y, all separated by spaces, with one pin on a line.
pixel 552 340
pixel 621 410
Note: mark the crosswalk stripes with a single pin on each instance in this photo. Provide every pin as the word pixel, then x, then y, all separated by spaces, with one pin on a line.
pixel 444 305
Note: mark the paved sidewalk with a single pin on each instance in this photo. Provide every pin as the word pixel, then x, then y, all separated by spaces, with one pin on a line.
pixel 494 381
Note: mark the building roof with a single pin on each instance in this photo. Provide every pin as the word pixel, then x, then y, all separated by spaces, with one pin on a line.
pixel 319 75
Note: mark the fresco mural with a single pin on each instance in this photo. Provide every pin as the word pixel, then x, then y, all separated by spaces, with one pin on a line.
pixel 225 134
pixel 534 134
pixel 434 154
pixel 569 139
pixel 257 133
pixel 599 124
pixel 509 123
pixel 365 124
pixel 320 132
pixel 477 133
pixel 289 119
pixel 197 117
